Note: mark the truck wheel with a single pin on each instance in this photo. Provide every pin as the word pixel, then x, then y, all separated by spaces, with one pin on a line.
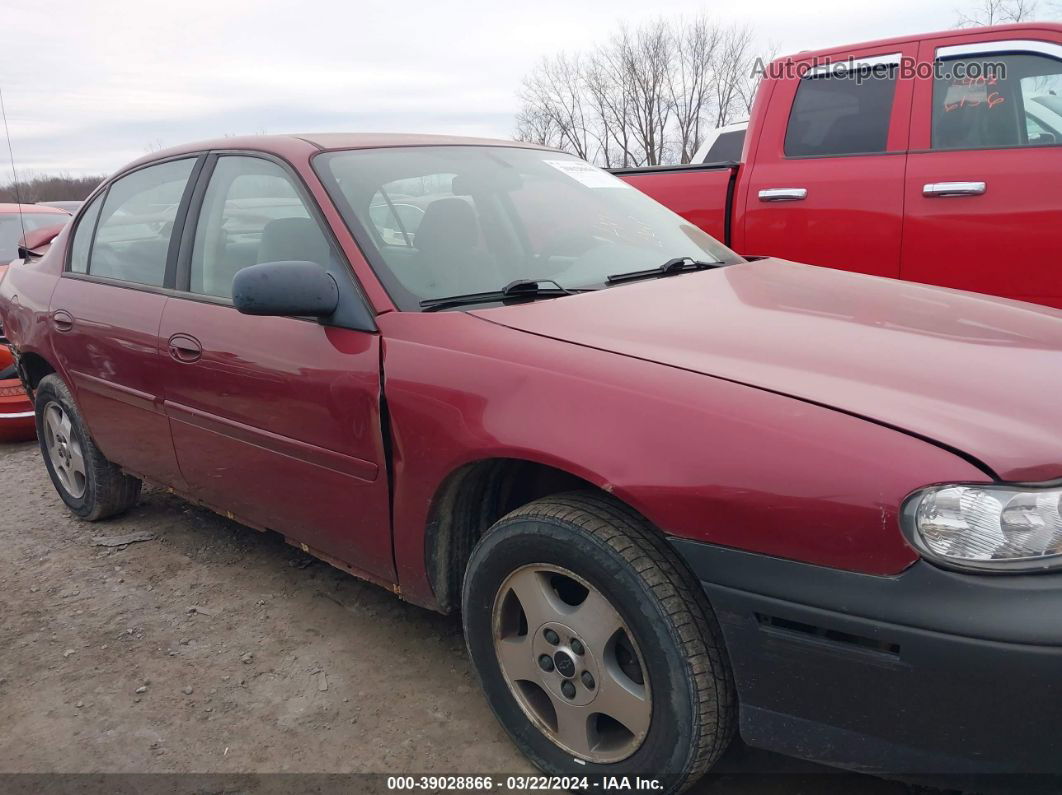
pixel 91 486
pixel 595 646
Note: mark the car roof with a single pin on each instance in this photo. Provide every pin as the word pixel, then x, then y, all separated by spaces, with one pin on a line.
pixel 31 208
pixel 309 143
pixel 1025 27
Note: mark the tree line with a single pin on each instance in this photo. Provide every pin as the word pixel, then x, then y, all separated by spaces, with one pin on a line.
pixel 647 96
pixel 49 188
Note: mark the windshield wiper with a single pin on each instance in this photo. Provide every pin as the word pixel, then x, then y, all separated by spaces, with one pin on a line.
pixel 669 268
pixel 521 288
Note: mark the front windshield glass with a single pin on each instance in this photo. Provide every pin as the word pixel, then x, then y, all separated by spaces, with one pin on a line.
pixel 438 221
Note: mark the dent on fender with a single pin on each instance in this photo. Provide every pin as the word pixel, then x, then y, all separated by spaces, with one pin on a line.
pixel 686 463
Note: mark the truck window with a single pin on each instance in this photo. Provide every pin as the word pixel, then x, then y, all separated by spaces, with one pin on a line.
pixel 841 113
pixel 995 101
pixel 727 148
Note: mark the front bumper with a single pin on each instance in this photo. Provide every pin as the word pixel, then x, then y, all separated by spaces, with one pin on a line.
pixel 926 673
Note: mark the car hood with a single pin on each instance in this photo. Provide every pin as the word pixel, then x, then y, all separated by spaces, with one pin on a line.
pixel 978 374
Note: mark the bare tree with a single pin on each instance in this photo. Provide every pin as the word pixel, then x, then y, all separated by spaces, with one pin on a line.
pixel 751 76
pixel 646 97
pixel 554 96
pixel 996 12
pixel 692 77
pixel 609 88
pixel 646 60
pixel 733 70
pixel 535 125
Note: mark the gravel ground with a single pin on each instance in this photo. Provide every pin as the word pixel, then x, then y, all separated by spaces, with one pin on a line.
pixel 212 648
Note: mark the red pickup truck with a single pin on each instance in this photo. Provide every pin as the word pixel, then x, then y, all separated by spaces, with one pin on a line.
pixel 932 158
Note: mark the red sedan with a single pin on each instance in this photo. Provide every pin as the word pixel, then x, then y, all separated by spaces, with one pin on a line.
pixel 17 221
pixel 676 495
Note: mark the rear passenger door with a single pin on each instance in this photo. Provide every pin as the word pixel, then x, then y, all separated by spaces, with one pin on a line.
pixel 275 420
pixel 828 169
pixel 106 310
pixel 983 194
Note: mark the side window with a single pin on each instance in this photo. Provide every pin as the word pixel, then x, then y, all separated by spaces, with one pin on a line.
pixel 995 101
pixel 727 148
pixel 842 113
pixel 79 246
pixel 252 213
pixel 136 223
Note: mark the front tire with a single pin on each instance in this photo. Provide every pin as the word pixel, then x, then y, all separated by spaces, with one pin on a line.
pixel 596 648
pixel 90 485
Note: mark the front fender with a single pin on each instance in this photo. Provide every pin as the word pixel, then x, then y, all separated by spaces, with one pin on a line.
pixel 702 458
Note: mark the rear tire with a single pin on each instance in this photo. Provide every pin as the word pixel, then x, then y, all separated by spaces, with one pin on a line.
pixel 658 671
pixel 90 485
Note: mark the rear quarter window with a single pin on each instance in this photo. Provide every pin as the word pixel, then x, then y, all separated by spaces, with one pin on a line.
pixel 727 148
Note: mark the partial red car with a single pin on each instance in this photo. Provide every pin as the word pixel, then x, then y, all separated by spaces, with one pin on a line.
pixel 932 158
pixel 676 495
pixel 33 226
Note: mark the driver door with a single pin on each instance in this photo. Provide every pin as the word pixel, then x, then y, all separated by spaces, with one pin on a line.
pixel 275 420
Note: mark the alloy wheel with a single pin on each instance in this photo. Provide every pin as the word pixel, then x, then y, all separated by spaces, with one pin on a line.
pixel 571 663
pixel 64 450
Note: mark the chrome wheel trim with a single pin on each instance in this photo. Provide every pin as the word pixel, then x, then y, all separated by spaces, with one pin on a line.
pixel 64 450
pixel 601 719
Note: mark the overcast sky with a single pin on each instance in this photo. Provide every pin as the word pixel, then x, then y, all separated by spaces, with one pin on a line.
pixel 90 85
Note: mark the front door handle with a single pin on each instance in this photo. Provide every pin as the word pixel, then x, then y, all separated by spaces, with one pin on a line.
pixel 62 320
pixel 185 348
pixel 943 190
pixel 783 194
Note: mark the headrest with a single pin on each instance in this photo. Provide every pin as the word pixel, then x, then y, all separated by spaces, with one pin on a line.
pixel 448 224
pixel 293 239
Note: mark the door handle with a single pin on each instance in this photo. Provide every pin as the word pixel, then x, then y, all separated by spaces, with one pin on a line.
pixel 185 348
pixel 62 320
pixel 783 194
pixel 946 189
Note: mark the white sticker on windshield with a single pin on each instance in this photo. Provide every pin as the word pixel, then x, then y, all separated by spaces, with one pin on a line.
pixel 587 174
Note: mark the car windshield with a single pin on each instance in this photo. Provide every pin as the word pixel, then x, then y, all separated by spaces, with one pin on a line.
pixel 11 230
pixel 439 221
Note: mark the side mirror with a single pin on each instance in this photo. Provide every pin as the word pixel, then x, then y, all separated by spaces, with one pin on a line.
pixel 302 289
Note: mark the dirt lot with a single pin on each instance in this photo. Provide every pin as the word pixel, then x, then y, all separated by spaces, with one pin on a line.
pixel 212 648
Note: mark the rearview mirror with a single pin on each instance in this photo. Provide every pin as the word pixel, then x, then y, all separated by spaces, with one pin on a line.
pixel 302 289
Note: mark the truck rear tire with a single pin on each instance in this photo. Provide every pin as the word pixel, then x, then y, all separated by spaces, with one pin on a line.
pixel 595 646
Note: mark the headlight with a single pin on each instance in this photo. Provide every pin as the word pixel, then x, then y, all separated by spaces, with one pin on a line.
pixel 988 527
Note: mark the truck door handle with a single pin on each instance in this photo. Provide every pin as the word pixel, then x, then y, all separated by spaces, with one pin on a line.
pixel 62 320
pixel 945 189
pixel 185 348
pixel 783 194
